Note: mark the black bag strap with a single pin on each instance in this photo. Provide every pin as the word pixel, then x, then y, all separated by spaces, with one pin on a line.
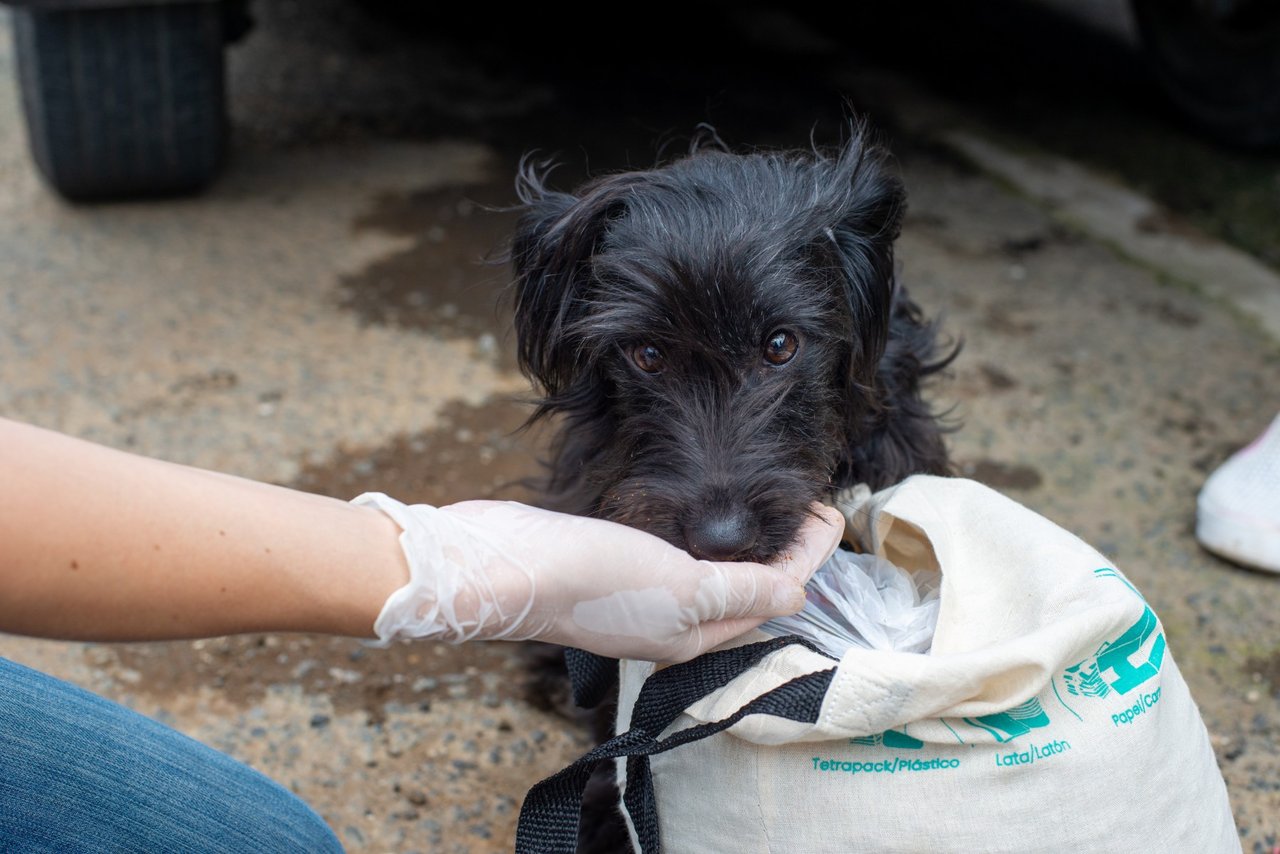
pixel 551 810
pixel 591 676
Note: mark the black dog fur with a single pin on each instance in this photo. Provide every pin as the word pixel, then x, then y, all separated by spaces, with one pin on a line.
pixel 723 340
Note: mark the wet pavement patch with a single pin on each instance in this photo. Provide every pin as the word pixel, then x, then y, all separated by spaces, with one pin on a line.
pixel 474 452
pixel 353 677
pixel 450 281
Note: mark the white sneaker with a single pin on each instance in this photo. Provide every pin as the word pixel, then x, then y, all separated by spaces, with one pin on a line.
pixel 1238 511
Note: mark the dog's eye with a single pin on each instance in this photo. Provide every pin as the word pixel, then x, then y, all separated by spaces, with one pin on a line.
pixel 780 347
pixel 648 358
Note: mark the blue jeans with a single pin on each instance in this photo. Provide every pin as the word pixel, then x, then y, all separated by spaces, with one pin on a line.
pixel 79 773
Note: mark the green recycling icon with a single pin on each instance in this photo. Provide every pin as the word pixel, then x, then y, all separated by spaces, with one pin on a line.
pixel 1119 665
pixel 889 738
pixel 1008 725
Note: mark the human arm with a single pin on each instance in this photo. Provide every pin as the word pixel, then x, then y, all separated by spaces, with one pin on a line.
pixel 98 544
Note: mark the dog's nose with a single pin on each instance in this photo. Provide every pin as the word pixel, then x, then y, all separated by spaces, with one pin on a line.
pixel 721 536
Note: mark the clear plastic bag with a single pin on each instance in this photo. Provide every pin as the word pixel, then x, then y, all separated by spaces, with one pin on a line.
pixel 863 600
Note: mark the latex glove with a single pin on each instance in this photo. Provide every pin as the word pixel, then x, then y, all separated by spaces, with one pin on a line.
pixel 498 570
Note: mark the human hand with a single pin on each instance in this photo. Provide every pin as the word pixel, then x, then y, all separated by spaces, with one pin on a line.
pixel 498 570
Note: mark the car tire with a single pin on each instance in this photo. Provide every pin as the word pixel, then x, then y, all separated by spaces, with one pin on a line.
pixel 1219 63
pixel 124 102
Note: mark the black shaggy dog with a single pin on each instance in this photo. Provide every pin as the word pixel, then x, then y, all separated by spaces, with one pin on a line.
pixel 723 341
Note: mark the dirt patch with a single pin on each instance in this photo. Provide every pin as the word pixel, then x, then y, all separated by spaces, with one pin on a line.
pixel 997 380
pixel 1167 222
pixel 1171 315
pixel 217 379
pixel 1017 247
pixel 925 219
pixel 998 475
pixel 1004 320
pixel 1266 669
pixel 1053 234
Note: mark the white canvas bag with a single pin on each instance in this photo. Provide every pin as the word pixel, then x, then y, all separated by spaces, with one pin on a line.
pixel 1048 716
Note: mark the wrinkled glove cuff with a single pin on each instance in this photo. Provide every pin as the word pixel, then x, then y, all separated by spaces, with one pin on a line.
pixel 423 607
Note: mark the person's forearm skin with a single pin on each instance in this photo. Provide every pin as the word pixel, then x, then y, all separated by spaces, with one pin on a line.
pixel 97 544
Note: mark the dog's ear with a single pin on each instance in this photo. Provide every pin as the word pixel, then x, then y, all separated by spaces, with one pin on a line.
pixel 552 252
pixel 866 211
pixel 891 430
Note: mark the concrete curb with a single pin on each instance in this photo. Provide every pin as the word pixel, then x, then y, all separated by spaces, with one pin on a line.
pixel 1137 228
pixel 1134 225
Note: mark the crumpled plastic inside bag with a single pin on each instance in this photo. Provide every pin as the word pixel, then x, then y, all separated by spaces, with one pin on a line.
pixel 864 600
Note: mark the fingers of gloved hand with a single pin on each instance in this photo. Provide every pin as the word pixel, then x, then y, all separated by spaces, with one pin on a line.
pixel 710 635
pixel 707 605
pixel 814 544
pixel 607 578
pixel 727 590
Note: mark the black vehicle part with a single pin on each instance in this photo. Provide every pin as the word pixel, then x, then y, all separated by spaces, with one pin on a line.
pixel 1219 61
pixel 124 102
